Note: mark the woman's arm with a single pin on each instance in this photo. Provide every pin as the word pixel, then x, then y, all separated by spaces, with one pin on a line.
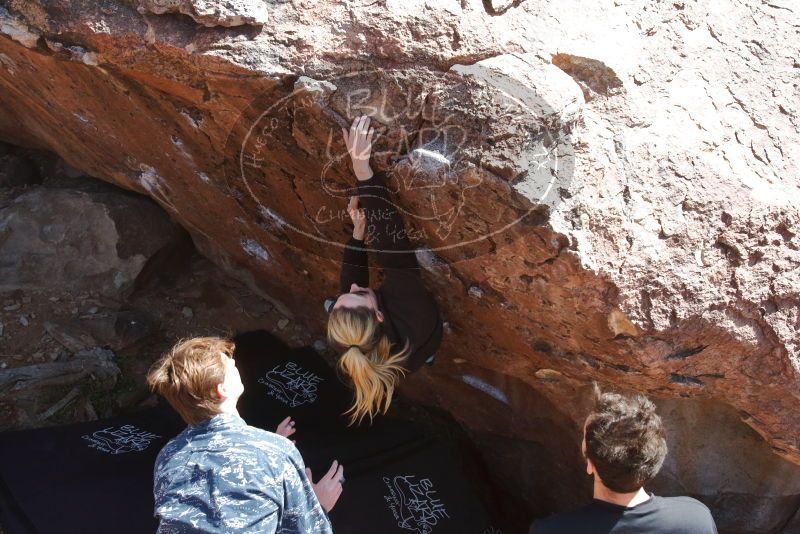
pixel 412 310
pixel 385 228
pixel 355 261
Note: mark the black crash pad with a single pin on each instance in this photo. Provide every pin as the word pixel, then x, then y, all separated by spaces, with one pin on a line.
pixel 84 478
pixel 97 477
pixel 398 478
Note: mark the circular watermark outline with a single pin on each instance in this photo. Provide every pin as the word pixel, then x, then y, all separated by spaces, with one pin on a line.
pixel 304 95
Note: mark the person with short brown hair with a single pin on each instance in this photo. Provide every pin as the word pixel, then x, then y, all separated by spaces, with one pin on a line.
pixel 221 475
pixel 187 376
pixel 624 444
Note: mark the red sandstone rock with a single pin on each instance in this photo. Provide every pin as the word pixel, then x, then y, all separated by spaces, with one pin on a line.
pixel 605 192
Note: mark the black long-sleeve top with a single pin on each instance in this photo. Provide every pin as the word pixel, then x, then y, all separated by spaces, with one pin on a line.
pixel 410 311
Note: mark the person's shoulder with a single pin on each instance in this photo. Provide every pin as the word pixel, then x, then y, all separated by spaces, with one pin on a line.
pixel 687 511
pixel 172 447
pixel 267 441
pixel 274 452
pixel 683 503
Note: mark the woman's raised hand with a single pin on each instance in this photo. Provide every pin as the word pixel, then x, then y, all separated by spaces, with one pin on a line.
pixel 359 145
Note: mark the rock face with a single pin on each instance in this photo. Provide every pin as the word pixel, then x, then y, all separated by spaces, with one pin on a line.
pixel 210 13
pixel 103 250
pixel 761 494
pixel 600 192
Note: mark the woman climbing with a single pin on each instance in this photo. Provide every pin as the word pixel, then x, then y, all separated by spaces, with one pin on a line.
pixel 390 331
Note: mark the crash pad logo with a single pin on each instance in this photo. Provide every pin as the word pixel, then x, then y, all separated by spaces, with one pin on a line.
pixel 291 384
pixel 119 440
pixel 414 503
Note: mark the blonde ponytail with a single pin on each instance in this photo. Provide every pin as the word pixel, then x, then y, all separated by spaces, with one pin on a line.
pixel 367 361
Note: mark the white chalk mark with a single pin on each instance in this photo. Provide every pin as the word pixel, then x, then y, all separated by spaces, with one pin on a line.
pixel 489 389
pixel 252 247
pixel 273 217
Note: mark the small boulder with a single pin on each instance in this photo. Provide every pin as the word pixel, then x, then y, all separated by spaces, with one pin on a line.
pixel 94 239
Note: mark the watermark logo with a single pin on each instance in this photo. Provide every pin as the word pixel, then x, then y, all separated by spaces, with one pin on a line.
pixel 414 503
pixel 291 384
pixel 467 160
pixel 120 440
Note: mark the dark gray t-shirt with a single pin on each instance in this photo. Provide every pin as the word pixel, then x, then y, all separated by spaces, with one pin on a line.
pixel 657 515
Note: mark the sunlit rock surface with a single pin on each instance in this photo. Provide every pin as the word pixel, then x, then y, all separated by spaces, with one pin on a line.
pixel 600 192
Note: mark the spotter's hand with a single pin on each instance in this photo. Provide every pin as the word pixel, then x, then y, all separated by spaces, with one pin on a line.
pixel 329 487
pixel 286 428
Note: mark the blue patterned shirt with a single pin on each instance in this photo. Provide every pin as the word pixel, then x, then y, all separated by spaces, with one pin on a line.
pixel 224 476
